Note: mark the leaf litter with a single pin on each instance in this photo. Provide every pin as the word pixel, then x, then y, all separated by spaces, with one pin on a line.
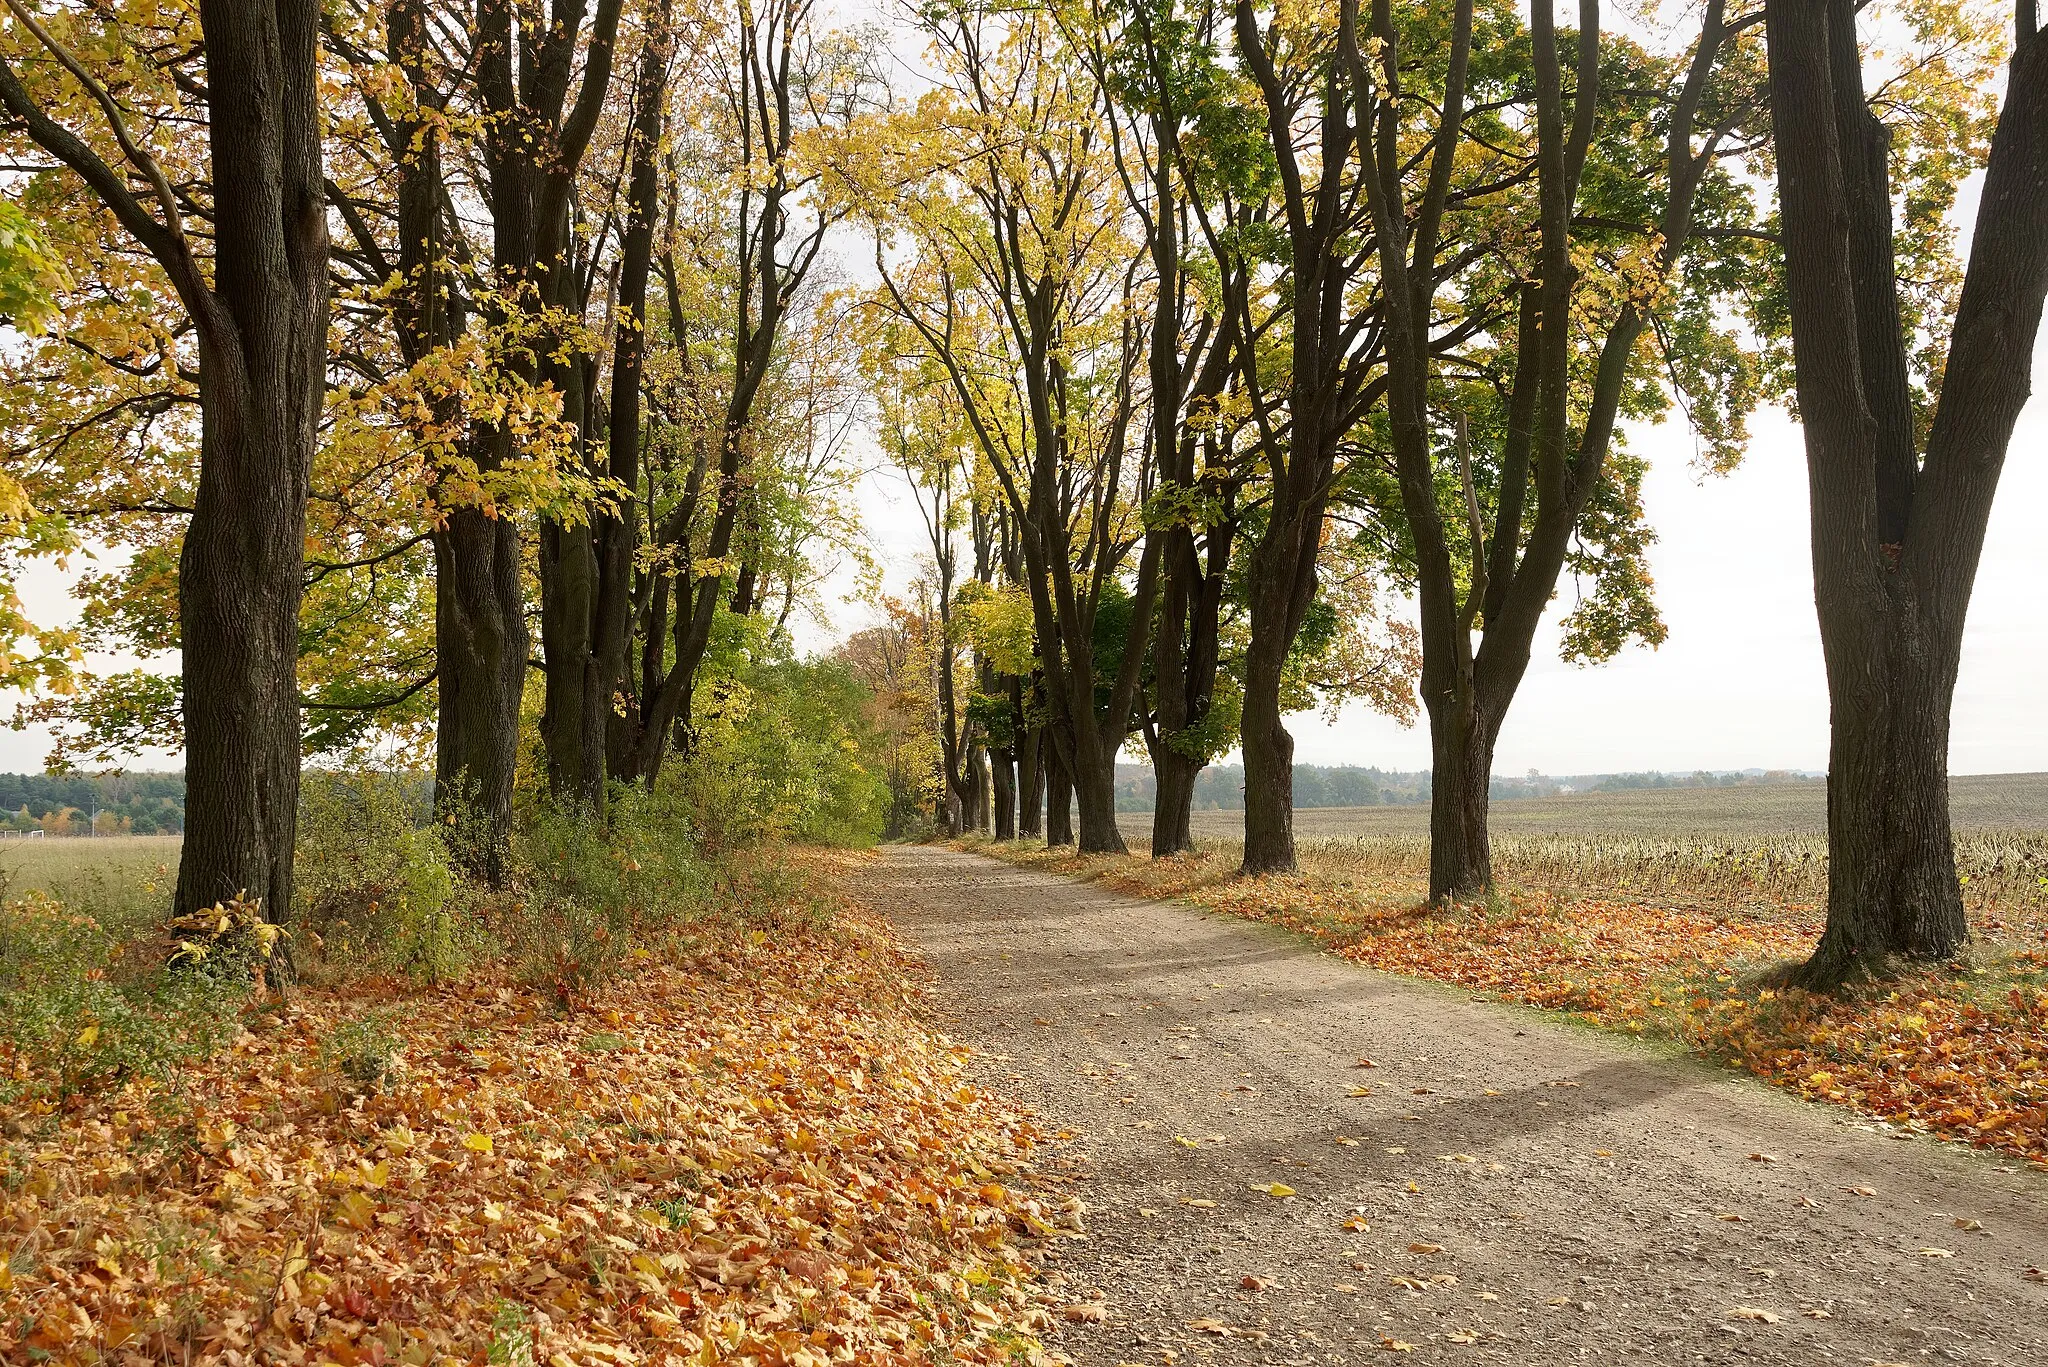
pixel 779 1164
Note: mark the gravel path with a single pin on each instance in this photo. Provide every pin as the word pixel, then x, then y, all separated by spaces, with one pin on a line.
pixel 1511 1190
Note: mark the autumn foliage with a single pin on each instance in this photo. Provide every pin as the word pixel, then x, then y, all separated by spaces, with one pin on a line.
pixel 749 1149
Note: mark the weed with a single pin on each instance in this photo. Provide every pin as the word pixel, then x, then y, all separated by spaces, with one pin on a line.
pixel 364 1052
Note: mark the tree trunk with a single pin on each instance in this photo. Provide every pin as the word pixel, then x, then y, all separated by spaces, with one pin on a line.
pixel 263 357
pixel 1031 777
pixel 1892 887
pixel 1059 799
pixel 1173 801
pixel 976 790
pixel 1004 774
pixel 1461 781
pixel 480 641
pixel 1268 760
pixel 568 599
pixel 1094 783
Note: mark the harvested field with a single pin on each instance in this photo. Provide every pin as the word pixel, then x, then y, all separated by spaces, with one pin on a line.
pixel 1978 802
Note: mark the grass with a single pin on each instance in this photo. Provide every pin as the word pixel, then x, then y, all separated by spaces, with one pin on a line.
pixel 123 882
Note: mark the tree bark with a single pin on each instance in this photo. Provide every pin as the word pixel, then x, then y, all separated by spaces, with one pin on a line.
pixel 481 643
pixel 1059 800
pixel 1268 757
pixel 616 529
pixel 262 377
pixel 1003 772
pixel 1031 782
pixel 1173 802
pixel 1461 781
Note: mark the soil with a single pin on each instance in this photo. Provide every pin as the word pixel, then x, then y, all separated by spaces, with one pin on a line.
pixel 1469 1180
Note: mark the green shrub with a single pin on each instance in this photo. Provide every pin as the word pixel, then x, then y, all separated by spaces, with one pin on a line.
pixel 81 1009
pixel 591 890
pixel 375 884
pixel 781 753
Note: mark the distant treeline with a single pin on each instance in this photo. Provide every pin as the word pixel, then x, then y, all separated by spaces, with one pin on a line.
pixel 76 804
pixel 1220 787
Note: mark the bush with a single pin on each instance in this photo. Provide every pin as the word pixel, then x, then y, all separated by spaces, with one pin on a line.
pixel 780 754
pixel 80 1010
pixel 591 890
pixel 375 885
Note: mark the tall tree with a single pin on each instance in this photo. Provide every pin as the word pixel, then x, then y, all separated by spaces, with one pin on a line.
pixel 259 309
pixel 1898 520
pixel 1488 551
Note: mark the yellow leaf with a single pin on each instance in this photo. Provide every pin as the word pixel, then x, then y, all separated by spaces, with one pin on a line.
pixel 1277 1189
pixel 1187 1143
pixel 481 1143
pixel 88 1037
pixel 1750 1312
pixel 1462 1336
pixel 355 1210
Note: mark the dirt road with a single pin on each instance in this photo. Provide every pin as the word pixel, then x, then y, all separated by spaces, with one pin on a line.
pixel 1532 1192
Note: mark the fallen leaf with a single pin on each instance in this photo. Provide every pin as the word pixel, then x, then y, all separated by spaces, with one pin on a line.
pixel 1730 1217
pixel 1346 1287
pixel 1187 1143
pixel 1365 1063
pixel 1276 1189
pixel 1818 1314
pixel 1763 1158
pixel 1861 1191
pixel 1750 1312
pixel 1974 1226
pixel 1357 1224
pixel 1461 1336
pixel 1251 1283
pixel 1209 1326
pixel 2035 1274
pixel 1394 1345
pixel 1360 1091
pixel 1936 1253
pixel 1425 1248
pixel 1347 1143
pixel 478 1143
pixel 1086 1312
pixel 1198 1203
